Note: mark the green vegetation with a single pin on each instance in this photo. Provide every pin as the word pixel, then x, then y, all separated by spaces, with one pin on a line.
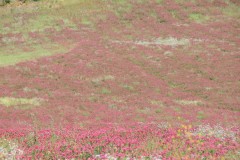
pixel 160 105
pixel 8 149
pixel 93 98
pixel 4 144
pixel 99 80
pixel 86 21
pixel 198 17
pixel 151 145
pixel 128 87
pixel 232 11
pixel 174 13
pixel 145 110
pixel 39 18
pixel 120 1
pixel 11 56
pixel 122 7
pixel 4 2
pixel 105 91
pixel 200 115
pixel 176 85
pixel 184 1
pixel 37 23
pixel 12 52
pixel 159 1
pixel 158 110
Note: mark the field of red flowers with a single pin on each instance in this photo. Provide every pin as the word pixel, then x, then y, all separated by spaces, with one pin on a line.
pixel 120 79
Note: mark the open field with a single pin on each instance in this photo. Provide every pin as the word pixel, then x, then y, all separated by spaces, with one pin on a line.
pixel 120 79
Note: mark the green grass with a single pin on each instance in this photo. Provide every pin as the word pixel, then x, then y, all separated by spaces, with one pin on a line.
pixel 184 1
pixel 39 23
pixel 198 17
pixel 158 111
pixel 128 87
pixel 86 21
pixel 200 115
pixel 105 91
pixel 176 109
pixel 159 1
pixel 112 106
pixel 174 13
pixel 145 110
pixel 93 98
pixel 151 145
pixel 176 85
pixel 13 56
pixel 7 149
pixel 159 104
pixel 26 19
pixel 232 11
pixel 23 24
pixel 122 2
pixel 121 7
pixel 4 144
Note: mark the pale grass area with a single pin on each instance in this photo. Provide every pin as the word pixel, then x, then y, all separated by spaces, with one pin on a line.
pixel 169 41
pixel 21 103
pixel 189 102
pixel 111 157
pixel 157 102
pixel 103 78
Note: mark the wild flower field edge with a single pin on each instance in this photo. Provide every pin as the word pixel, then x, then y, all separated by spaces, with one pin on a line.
pixel 128 142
